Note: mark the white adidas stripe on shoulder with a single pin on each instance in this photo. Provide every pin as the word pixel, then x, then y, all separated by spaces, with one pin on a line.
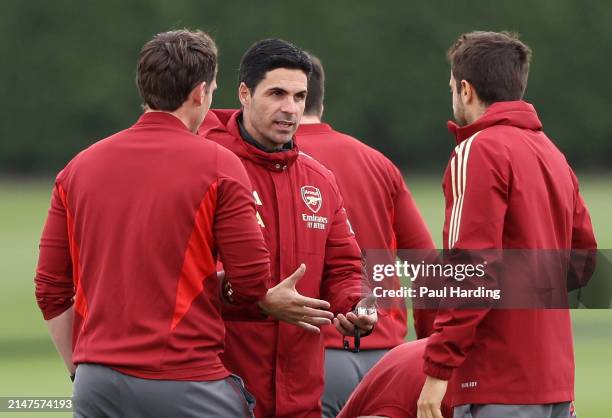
pixel 314 159
pixel 454 186
pixel 306 155
pixel 459 181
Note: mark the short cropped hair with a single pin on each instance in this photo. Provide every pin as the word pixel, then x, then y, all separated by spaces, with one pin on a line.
pixel 316 88
pixel 268 55
pixel 171 64
pixel 495 63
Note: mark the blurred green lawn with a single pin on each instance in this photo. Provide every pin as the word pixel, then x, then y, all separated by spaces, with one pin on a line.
pixel 29 365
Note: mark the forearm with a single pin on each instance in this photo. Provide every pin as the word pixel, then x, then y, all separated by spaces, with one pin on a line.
pixel 241 245
pixel 60 329
pixel 454 334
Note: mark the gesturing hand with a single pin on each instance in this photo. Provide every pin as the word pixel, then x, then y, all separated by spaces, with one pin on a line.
pixel 284 303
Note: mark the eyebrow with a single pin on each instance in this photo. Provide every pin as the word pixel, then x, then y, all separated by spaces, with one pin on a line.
pixel 282 90
pixel 277 89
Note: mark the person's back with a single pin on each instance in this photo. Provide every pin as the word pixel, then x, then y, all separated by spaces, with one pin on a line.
pixel 507 187
pixel 391 388
pixel 379 206
pixel 141 206
pixel 532 209
pixel 127 276
pixel 383 216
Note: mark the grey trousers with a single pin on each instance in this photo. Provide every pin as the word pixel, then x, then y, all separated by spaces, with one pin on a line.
pixel 343 372
pixel 100 391
pixel 556 410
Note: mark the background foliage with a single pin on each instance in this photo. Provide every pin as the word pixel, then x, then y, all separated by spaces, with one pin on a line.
pixel 68 68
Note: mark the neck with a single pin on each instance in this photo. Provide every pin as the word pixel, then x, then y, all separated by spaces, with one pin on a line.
pixel 310 119
pixel 476 112
pixel 181 115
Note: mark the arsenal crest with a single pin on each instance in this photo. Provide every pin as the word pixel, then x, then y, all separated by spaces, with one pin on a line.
pixel 312 197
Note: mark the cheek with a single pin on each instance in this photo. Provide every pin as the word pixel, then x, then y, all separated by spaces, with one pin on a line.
pixel 301 107
pixel 456 102
pixel 263 111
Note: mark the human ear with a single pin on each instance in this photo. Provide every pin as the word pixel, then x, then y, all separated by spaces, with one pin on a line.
pixel 244 94
pixel 198 93
pixel 467 92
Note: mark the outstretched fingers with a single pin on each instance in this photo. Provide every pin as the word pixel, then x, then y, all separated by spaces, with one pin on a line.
pixel 307 326
pixel 312 302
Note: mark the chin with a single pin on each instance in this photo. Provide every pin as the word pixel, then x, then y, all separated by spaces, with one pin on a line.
pixel 282 140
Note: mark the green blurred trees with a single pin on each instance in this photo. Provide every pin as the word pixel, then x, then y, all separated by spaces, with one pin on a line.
pixel 68 69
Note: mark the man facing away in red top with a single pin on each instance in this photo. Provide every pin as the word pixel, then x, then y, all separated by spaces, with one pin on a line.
pixel 506 186
pixel 126 277
pixel 303 220
pixel 383 215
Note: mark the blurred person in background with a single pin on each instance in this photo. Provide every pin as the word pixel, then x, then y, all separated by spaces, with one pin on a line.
pixel 383 215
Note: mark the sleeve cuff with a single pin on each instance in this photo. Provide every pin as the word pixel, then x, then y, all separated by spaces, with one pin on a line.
pixel 437 371
pixel 53 308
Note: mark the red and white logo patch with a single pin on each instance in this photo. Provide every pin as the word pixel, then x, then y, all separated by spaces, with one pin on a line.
pixel 312 198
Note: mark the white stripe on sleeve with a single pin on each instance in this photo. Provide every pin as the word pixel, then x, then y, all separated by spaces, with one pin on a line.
pixel 464 154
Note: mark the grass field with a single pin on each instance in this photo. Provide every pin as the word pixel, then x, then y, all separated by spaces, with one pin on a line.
pixel 29 365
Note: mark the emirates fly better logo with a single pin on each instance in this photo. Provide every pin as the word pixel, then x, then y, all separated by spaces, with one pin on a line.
pixel 312 197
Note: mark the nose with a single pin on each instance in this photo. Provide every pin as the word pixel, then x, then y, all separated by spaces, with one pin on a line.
pixel 289 105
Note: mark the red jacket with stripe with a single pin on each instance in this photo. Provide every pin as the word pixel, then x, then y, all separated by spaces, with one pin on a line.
pixel 135 225
pixel 508 187
pixel 303 221
pixel 383 215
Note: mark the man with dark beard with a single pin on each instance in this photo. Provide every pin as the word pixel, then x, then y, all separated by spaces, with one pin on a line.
pixel 303 220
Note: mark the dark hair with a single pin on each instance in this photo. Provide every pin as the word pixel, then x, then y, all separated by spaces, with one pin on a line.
pixel 495 63
pixel 268 55
pixel 171 64
pixel 316 88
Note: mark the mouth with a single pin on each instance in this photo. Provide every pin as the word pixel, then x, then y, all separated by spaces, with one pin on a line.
pixel 284 124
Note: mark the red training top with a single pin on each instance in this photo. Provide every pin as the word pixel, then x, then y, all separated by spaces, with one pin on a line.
pixel 383 215
pixel 303 221
pixel 135 224
pixel 508 187
pixel 393 386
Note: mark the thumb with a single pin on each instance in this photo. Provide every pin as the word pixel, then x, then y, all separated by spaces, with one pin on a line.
pixel 296 275
pixel 369 301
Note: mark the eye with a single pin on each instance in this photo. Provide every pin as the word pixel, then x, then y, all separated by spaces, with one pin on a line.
pixel 300 97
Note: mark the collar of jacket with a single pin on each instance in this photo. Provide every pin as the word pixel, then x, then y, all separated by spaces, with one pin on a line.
pixel 518 113
pixel 249 138
pixel 161 118
pixel 274 161
pixel 313 128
